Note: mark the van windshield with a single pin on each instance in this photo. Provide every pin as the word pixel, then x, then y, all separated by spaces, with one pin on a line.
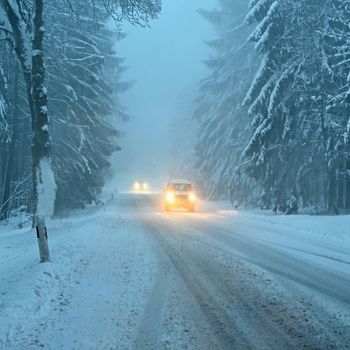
pixel 179 187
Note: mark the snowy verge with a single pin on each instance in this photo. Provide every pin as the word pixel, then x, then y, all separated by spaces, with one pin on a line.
pixel 329 227
pixel 95 262
pixel 106 258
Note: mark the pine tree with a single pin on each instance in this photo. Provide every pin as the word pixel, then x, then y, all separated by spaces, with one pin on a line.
pixel 82 103
pixel 219 113
pixel 336 53
pixel 4 129
pixel 82 93
pixel 290 135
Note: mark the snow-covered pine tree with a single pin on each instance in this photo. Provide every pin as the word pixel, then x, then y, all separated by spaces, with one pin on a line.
pixel 88 135
pixel 221 119
pixel 292 124
pixel 271 151
pixel 336 61
pixel 4 129
pixel 297 152
pixel 321 107
pixel 15 186
pixel 22 23
pixel 4 134
pixel 84 79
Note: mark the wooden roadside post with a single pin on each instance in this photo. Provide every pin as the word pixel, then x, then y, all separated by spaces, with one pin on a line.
pixel 41 233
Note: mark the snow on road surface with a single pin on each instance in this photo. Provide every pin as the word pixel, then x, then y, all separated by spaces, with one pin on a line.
pixel 128 276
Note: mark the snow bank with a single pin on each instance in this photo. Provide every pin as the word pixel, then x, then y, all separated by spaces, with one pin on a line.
pixel 329 227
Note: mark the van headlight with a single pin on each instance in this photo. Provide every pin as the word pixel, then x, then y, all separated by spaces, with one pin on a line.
pixel 170 197
pixel 192 197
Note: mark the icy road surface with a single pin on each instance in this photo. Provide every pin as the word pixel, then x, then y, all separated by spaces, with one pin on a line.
pixel 128 276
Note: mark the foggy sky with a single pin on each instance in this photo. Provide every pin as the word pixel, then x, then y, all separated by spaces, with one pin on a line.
pixel 166 63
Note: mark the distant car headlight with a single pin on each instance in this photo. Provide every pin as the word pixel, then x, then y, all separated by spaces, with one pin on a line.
pixel 145 186
pixel 192 197
pixel 170 197
pixel 137 186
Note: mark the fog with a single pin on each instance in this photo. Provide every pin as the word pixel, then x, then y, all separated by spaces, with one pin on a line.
pixel 165 61
pixel 270 126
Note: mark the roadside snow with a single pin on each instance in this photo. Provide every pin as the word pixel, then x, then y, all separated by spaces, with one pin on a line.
pixel 329 227
pixel 105 267
pixel 99 275
pixel 324 240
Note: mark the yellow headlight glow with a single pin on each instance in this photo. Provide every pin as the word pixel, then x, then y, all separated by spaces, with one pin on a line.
pixel 137 186
pixel 145 186
pixel 170 198
pixel 192 197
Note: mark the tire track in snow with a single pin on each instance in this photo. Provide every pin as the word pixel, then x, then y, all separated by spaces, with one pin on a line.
pixel 227 305
pixel 296 322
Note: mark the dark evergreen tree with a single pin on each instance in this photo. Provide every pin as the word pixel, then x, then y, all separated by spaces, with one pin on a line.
pixel 84 77
pixel 82 73
pixel 222 120
pixel 293 148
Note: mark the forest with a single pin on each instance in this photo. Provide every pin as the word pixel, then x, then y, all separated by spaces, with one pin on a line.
pixel 273 113
pixel 174 174
pixel 60 78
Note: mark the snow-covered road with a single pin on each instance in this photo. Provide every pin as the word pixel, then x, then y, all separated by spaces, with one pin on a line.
pixel 128 276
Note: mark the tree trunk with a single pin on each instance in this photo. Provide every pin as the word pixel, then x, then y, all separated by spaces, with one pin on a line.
pixel 332 188
pixel 32 64
pixel 347 185
pixel 41 140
